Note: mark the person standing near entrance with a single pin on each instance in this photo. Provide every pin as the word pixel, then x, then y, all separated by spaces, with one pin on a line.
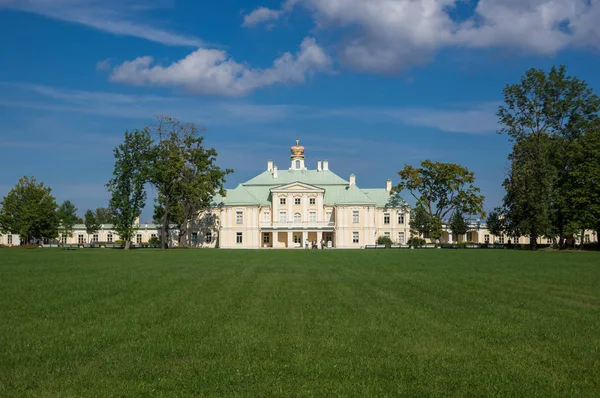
pixel 306 244
pixel 322 244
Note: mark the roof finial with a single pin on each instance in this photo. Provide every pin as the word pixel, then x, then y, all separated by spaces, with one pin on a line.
pixel 297 142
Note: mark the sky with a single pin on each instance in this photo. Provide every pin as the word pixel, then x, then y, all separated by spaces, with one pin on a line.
pixel 369 85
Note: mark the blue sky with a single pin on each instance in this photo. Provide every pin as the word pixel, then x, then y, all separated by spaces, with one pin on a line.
pixel 367 84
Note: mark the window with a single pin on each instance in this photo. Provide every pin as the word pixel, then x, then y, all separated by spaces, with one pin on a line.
pixel 387 235
pixel 298 239
pixel 297 165
pixel 109 238
pixel 297 218
pixel 80 239
pixel 95 238
pixel 281 201
pixel 355 216
pixel 386 218
pixel 328 216
pixel 266 237
pixel 296 201
pixel 501 239
pixel 239 238
pixel 282 217
pixel 586 238
pixel 194 237
pixel 9 239
pixel 486 238
pixel 549 241
pixel 312 201
pixel 515 239
pixel 239 217
pixel 63 239
pixel 401 237
pixel 208 237
pixel 355 237
pixel 266 216
pixel 400 218
pixel 312 217
pixel 138 238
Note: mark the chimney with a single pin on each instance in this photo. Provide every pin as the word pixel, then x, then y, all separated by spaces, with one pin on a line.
pixel 269 165
pixel 325 165
pixel 388 185
pixel 319 165
pixel 352 179
pixel 275 171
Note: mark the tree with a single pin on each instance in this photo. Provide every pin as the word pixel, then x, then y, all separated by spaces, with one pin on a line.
pixel 29 210
pixel 546 115
pixel 184 173
pixel 495 222
pixel 458 224
pixel 91 222
pixel 420 221
pixel 67 217
pixel 128 195
pixel 104 215
pixel 440 190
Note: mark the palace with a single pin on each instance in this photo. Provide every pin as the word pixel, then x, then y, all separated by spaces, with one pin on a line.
pixel 288 208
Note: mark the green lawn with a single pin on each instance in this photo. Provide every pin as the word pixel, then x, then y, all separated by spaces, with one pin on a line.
pixel 101 322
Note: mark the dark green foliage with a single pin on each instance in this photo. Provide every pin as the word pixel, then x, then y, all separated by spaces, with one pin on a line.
pixel 104 215
pixel 495 222
pixel 330 323
pixel 421 222
pixel 384 240
pixel 550 118
pixel 29 210
pixel 67 216
pixel 184 173
pixel 458 224
pixel 131 170
pixel 91 222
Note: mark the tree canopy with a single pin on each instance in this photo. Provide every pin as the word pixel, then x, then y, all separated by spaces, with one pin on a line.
pixel 29 210
pixel 552 121
pixel 91 222
pixel 131 170
pixel 67 218
pixel 458 224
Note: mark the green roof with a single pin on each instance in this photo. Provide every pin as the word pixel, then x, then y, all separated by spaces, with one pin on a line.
pixel 311 177
pixel 348 195
pixel 382 198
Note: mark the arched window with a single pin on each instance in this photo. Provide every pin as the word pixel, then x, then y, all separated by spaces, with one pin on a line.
pixel 297 218
pixel 297 165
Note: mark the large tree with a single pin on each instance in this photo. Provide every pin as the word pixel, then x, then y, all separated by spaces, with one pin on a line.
pixel 184 173
pixel 128 195
pixel 495 222
pixel 546 115
pixel 67 216
pixel 91 222
pixel 458 224
pixel 441 189
pixel 104 215
pixel 29 210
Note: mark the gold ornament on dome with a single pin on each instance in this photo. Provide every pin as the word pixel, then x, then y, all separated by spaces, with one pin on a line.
pixel 297 150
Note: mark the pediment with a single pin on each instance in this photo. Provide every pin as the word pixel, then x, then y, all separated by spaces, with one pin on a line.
pixel 297 187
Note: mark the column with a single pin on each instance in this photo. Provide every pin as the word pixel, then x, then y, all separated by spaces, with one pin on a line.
pixel 319 238
pixel 290 199
pixel 290 239
pixel 275 208
pixel 320 208
pixel 304 238
pixel 304 208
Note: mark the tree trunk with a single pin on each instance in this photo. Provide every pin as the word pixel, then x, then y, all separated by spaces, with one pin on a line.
pixel 533 242
pixel 127 244
pixel 164 227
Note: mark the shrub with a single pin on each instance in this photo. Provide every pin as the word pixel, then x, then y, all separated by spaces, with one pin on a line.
pixel 416 242
pixel 154 240
pixel 384 240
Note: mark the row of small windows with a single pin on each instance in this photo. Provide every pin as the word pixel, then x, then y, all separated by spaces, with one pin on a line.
pixel 387 218
pixel 297 201
pixel 400 236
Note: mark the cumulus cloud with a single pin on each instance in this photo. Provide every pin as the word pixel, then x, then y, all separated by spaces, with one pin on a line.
pixel 260 15
pixel 210 71
pixel 389 35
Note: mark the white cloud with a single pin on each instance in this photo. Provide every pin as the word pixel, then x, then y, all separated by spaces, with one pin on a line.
pixel 209 71
pixel 388 36
pixel 261 15
pixel 119 17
